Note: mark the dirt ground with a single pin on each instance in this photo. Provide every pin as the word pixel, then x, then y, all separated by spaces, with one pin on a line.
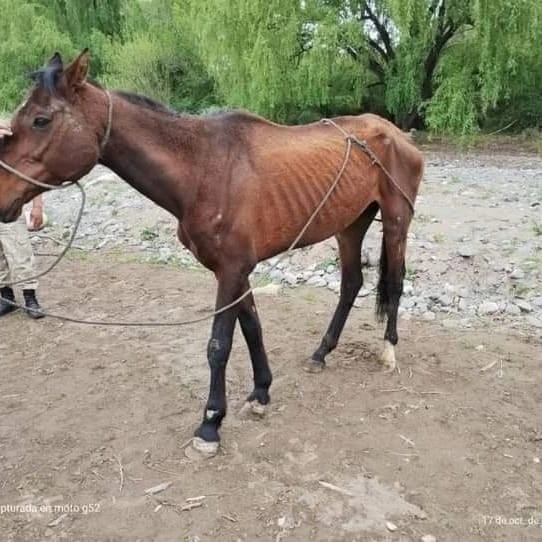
pixel 92 417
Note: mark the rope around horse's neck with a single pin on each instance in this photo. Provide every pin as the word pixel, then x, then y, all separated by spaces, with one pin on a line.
pixel 348 138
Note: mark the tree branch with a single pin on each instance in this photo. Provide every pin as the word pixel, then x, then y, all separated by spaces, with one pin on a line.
pixel 369 15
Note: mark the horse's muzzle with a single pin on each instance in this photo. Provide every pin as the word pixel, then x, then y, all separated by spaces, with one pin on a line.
pixel 13 212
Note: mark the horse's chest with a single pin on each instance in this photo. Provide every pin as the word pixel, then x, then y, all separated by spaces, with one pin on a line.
pixel 205 244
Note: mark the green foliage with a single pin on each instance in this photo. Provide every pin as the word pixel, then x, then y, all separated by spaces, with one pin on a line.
pixel 29 37
pixel 453 66
pixel 157 59
pixel 275 57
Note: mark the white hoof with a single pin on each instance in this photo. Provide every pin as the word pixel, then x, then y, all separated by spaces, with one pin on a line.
pixel 387 357
pixel 205 448
pixel 258 409
pixel 254 408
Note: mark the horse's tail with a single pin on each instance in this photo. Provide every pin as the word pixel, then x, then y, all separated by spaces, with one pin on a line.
pixel 382 297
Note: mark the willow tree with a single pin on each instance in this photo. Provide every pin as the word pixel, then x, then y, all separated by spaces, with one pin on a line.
pixel 275 57
pixel 28 38
pixel 157 58
pixel 81 17
pixel 452 60
pixel 90 23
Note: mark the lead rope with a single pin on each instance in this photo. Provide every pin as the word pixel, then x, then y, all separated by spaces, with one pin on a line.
pixel 362 144
pixel 348 138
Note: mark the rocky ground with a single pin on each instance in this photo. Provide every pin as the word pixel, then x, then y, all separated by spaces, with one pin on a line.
pixel 475 249
pixel 96 422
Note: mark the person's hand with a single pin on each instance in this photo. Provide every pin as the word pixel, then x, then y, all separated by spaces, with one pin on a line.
pixel 5 130
pixel 36 218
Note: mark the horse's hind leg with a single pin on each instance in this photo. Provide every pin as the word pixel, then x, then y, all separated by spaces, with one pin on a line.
pixel 395 221
pixel 252 331
pixel 350 241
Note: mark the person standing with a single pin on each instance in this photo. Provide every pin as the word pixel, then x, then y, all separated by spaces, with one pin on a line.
pixel 17 261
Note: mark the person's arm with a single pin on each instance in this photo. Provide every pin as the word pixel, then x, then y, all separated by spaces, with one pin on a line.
pixel 36 214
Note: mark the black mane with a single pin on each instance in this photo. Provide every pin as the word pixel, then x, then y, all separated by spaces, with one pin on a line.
pixel 47 78
pixel 147 103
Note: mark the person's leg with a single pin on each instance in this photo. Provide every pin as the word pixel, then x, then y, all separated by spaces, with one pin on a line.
pixel 6 292
pixel 20 256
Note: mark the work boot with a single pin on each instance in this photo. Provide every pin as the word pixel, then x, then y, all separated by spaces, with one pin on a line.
pixel 33 308
pixel 6 293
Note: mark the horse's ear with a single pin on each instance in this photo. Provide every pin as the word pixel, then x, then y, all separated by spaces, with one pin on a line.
pixel 55 61
pixel 76 73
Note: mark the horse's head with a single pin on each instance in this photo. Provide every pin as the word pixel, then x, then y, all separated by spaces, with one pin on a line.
pixel 55 134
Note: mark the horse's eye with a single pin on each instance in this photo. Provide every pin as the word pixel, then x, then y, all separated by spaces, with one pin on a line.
pixel 41 122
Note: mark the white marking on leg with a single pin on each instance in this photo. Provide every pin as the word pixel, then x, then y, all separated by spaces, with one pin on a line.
pixel 209 414
pixel 388 356
pixel 257 408
pixel 254 408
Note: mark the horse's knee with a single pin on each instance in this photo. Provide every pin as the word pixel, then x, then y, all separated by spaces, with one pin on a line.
pixel 218 351
pixel 351 285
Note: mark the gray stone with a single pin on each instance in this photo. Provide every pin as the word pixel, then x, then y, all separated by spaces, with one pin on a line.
pixel 407 303
pixel 466 251
pixel 317 281
pixel 463 292
pixel 445 300
pixel 364 292
pixel 331 268
pixel 524 305
pixel 334 286
pixel 429 316
pixel 534 321
pixel 537 302
pixel 517 274
pixel 372 259
pixel 421 306
pixel 462 304
pixel 488 307
pixel 276 275
pixel 512 310
pixel 408 289
pixel 449 289
pixel 290 278
pixel 164 254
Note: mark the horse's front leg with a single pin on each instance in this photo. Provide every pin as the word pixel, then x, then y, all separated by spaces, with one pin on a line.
pixel 218 351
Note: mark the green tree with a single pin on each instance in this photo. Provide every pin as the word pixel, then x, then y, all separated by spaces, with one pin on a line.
pixel 446 63
pixel 275 57
pixel 157 58
pixel 29 37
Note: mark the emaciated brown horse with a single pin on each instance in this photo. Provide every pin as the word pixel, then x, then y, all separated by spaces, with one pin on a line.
pixel 241 188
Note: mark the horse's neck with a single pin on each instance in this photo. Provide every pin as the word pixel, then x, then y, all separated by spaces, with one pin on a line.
pixel 153 153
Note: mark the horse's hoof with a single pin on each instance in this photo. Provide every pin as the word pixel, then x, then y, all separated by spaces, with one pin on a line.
pixel 253 408
pixel 201 449
pixel 314 366
pixel 387 358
